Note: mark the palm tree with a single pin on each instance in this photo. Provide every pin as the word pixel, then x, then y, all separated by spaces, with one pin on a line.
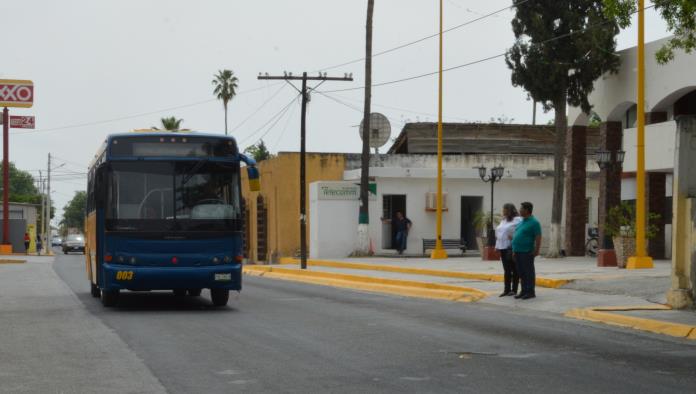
pixel 225 84
pixel 171 123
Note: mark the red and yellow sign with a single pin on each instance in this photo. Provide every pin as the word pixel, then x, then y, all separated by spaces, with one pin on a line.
pixel 16 93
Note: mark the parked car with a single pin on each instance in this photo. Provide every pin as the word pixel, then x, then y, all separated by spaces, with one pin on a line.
pixel 74 243
pixel 57 241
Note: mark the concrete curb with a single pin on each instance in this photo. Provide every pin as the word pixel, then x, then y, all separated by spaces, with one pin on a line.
pixel 8 261
pixel 604 315
pixel 380 285
pixel 540 281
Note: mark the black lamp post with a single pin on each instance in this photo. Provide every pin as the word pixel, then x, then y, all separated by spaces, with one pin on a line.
pixel 495 175
pixel 608 160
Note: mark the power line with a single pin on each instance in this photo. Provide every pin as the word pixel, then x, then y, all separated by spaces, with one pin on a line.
pixel 282 111
pixel 99 122
pixel 257 109
pixel 282 133
pixel 396 48
pixel 275 123
pixel 572 33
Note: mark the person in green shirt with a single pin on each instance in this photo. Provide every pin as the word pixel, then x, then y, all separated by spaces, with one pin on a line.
pixel 526 242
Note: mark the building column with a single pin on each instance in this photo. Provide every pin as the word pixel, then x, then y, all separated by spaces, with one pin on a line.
pixel 610 135
pixel 655 191
pixel 682 292
pixel 575 186
pixel 656 200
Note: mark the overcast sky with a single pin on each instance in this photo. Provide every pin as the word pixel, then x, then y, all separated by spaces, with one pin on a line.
pixel 101 67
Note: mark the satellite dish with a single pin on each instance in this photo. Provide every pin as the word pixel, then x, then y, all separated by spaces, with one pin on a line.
pixel 380 130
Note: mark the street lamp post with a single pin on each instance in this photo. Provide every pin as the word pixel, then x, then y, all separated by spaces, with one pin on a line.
pixel 608 160
pixel 495 175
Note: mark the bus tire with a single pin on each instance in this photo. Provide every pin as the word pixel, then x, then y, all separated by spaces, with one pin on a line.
pixel 219 296
pixel 109 298
pixel 94 290
pixel 179 292
pixel 194 292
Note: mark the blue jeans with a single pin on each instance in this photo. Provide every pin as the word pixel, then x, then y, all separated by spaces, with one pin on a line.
pixel 525 268
pixel 401 240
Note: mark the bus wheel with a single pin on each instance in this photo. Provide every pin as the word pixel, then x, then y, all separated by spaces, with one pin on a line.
pixel 179 292
pixel 109 298
pixel 94 289
pixel 194 292
pixel 219 296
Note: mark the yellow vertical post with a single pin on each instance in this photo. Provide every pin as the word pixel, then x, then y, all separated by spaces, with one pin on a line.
pixel 641 259
pixel 439 252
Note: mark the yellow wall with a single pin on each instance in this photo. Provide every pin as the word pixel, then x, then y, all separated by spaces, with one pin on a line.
pixel 280 188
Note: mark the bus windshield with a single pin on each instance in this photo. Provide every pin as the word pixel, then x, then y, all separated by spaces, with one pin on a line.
pixel 198 195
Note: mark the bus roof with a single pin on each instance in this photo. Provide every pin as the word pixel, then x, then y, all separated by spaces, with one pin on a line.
pixel 101 152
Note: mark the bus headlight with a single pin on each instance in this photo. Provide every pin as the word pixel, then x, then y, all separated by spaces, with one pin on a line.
pixel 216 260
pixel 228 259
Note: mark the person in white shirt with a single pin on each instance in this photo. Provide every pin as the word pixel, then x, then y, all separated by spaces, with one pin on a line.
pixel 503 243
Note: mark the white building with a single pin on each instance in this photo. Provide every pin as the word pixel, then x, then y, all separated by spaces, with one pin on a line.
pixel 407 182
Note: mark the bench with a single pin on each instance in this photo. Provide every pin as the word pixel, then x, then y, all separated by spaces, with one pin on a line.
pixel 429 244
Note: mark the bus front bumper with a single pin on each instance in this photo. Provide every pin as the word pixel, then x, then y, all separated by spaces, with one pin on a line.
pixel 128 277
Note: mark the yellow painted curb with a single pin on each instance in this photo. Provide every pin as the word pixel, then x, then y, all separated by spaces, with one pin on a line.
pixel 368 283
pixel 6 261
pixel 540 281
pixel 605 315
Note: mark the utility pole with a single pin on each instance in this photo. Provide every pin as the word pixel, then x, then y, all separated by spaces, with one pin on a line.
pixel 6 180
pixel 43 208
pixel 303 190
pixel 47 222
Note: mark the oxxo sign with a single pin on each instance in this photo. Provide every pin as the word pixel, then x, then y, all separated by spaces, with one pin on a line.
pixel 16 93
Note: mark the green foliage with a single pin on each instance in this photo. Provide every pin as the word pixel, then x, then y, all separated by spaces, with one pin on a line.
pixel 595 120
pixel 74 212
pixel 481 220
pixel 621 221
pixel 259 151
pixel 556 36
pixel 680 16
pixel 225 88
pixel 24 190
pixel 171 123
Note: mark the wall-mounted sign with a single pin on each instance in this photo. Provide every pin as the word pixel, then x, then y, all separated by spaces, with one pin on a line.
pixel 16 93
pixel 344 191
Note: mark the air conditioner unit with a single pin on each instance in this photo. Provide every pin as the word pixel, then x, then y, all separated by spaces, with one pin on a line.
pixel 431 201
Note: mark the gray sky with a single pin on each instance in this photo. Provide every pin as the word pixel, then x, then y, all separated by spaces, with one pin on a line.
pixel 120 65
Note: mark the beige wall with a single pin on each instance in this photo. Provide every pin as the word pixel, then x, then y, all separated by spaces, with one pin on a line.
pixel 281 193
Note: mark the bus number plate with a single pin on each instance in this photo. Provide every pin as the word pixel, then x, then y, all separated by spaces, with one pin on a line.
pixel 124 275
pixel 223 276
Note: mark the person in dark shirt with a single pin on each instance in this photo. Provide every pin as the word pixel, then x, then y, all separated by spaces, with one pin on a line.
pixel 402 225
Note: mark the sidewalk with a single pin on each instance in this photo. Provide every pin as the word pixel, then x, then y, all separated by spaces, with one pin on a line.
pixel 573 286
pixel 51 343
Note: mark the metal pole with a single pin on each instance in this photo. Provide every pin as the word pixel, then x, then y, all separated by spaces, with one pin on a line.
pixel 491 236
pixel 48 207
pixel 43 207
pixel 6 176
pixel 641 259
pixel 439 252
pixel 303 191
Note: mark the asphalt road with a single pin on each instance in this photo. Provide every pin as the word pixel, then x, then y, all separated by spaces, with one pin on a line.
pixel 285 337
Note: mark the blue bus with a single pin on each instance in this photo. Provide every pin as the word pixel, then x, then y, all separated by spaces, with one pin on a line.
pixel 164 212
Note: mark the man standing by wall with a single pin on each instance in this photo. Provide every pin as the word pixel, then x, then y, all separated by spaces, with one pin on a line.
pixel 525 247
pixel 402 225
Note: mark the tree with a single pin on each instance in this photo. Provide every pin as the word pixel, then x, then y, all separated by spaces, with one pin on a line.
pixel 24 190
pixel 74 212
pixel 561 48
pixel 258 151
pixel 363 240
pixel 225 88
pixel 680 16
pixel 171 123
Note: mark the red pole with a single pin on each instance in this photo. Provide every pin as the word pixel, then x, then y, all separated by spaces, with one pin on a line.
pixel 6 176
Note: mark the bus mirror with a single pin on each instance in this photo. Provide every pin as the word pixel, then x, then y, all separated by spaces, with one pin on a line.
pixel 254 183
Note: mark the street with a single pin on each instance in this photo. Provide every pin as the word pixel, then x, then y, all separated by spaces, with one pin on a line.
pixel 279 336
